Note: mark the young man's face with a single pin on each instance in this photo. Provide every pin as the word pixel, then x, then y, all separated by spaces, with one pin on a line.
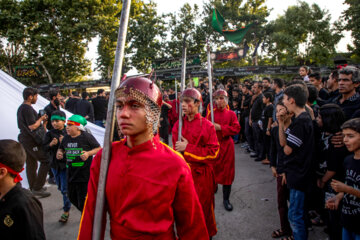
pixel 346 84
pixel 58 124
pixel 351 139
pixel 189 106
pixel 256 89
pixel 235 94
pixel 289 103
pixel 265 100
pixel 265 83
pixel 314 81
pixel 33 99
pixel 72 130
pixel 330 83
pixel 220 102
pixel 131 116
pixel 281 110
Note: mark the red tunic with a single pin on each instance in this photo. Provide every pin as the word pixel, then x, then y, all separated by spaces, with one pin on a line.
pixel 200 153
pixel 173 114
pixel 225 163
pixel 147 191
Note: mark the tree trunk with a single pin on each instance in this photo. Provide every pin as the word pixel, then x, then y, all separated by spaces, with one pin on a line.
pixel 47 73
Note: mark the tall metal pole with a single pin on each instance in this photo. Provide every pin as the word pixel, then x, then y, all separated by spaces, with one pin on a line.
pixel 176 97
pixel 110 121
pixel 210 82
pixel 182 85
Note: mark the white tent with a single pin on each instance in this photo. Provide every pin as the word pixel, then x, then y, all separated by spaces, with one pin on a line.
pixel 11 98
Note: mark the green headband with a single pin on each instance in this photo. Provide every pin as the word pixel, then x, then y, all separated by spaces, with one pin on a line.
pixel 57 117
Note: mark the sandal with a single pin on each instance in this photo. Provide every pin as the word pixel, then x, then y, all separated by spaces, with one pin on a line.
pixel 317 221
pixel 64 218
pixel 288 238
pixel 278 233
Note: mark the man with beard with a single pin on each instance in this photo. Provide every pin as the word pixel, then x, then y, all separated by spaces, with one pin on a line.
pixel 226 126
pixel 149 188
pixel 200 148
pixel 54 105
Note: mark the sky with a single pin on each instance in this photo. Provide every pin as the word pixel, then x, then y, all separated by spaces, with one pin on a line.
pixel 335 8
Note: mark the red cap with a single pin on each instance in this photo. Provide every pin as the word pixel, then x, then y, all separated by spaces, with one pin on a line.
pixel 193 93
pixel 143 85
pixel 220 92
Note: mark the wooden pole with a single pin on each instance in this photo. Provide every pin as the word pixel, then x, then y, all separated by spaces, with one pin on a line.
pixel 210 82
pixel 110 121
pixel 182 85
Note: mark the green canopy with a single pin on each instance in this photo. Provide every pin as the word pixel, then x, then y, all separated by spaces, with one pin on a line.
pixel 235 36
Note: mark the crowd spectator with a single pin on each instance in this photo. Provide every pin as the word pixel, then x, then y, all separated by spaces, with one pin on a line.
pixel 100 107
pixel 84 108
pixel 54 97
pixel 71 102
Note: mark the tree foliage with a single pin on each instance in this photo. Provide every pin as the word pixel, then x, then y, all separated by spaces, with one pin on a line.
pixel 351 20
pixel 303 35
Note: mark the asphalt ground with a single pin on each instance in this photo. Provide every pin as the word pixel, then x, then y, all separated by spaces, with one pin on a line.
pixel 253 196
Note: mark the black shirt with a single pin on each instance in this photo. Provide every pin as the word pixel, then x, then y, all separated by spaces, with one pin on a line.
pixel 277 154
pixel 21 216
pixel 256 108
pixel 265 115
pixel 246 106
pixel 324 94
pixel 49 109
pixel 79 170
pixel 349 106
pixel 70 104
pixel 350 212
pixel 49 136
pixel 100 108
pixel 84 108
pixel 26 116
pixel 298 165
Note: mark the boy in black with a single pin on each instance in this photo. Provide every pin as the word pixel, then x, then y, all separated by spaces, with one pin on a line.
pixel 266 121
pixel 349 192
pixel 51 143
pixel 79 148
pixel 21 214
pixel 298 143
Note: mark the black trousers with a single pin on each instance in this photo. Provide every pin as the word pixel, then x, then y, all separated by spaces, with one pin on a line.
pixel 35 154
pixel 77 194
pixel 258 140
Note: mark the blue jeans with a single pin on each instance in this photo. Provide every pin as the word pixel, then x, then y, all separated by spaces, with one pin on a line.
pixel 347 235
pixel 61 181
pixel 296 214
pixel 99 123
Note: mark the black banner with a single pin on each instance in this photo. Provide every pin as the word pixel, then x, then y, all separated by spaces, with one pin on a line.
pixel 175 63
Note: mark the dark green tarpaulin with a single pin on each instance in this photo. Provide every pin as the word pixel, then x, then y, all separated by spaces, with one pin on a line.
pixel 235 36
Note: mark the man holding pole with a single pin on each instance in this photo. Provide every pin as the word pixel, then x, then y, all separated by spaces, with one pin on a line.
pixel 226 126
pixel 149 188
pixel 200 148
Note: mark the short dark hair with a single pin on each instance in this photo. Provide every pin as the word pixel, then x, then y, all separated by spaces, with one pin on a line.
pixel 298 93
pixel 75 93
pixel 313 93
pixel 29 91
pixel 279 82
pixel 84 95
pixel 332 117
pixel 100 91
pixel 12 154
pixel 267 79
pixel 315 75
pixel 53 93
pixel 269 96
pixel 353 124
pixel 354 71
pixel 335 74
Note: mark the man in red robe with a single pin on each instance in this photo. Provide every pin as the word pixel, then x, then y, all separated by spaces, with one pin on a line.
pixel 200 148
pixel 149 188
pixel 226 125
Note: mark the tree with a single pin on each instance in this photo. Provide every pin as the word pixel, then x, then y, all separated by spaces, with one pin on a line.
pixel 303 35
pixel 351 17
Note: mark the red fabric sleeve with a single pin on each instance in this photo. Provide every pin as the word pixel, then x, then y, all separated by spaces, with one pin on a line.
pixel 87 218
pixel 233 128
pixel 208 147
pixel 175 132
pixel 189 217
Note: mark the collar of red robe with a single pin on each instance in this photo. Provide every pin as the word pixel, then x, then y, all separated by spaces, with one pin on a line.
pixel 197 116
pixel 17 178
pixel 149 145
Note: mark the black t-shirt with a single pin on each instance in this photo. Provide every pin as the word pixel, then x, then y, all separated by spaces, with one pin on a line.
pixel 350 212
pixel 246 106
pixel 100 107
pixel 324 94
pixel 71 103
pixel 298 165
pixel 265 115
pixel 84 108
pixel 58 164
pixel 277 154
pixel 21 215
pixel 349 106
pixel 256 108
pixel 26 116
pixel 164 115
pixel 79 170
pixel 49 109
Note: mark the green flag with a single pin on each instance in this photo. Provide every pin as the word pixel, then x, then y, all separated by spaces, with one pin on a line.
pixel 196 81
pixel 235 36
